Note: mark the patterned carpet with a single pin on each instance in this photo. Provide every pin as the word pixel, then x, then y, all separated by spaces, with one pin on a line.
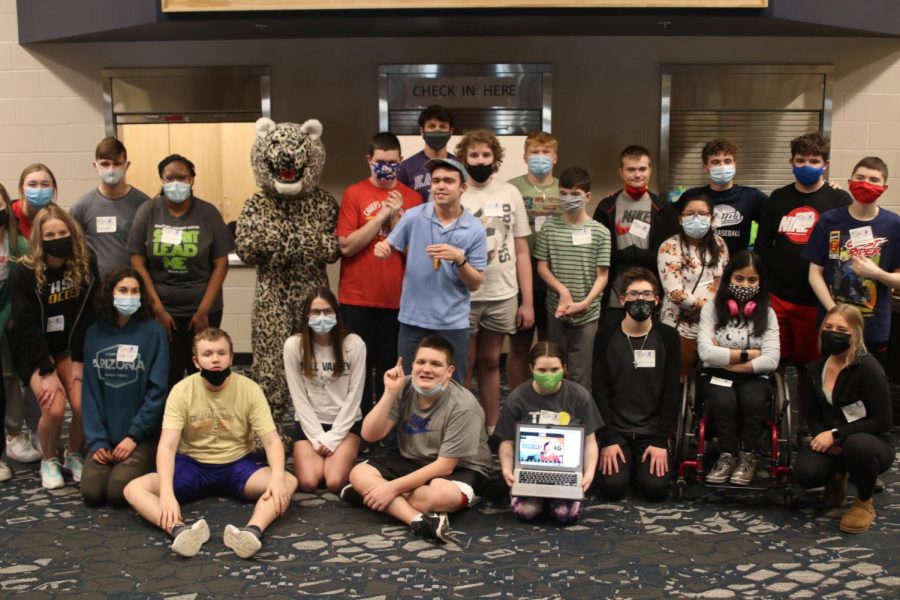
pixel 709 546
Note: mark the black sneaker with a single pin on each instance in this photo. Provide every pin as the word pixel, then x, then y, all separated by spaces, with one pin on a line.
pixel 431 526
pixel 352 497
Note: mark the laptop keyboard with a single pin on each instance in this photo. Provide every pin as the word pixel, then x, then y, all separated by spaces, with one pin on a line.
pixel 548 478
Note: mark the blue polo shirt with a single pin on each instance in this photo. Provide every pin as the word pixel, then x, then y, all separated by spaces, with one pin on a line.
pixel 436 298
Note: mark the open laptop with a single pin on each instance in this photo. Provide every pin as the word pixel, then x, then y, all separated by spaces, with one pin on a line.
pixel 548 461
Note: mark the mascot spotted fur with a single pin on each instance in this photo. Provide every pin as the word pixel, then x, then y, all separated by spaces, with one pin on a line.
pixel 287 231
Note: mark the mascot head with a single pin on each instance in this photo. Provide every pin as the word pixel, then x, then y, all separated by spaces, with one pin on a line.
pixel 287 158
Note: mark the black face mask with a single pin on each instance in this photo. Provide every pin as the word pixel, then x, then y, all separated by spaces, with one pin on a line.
pixel 640 310
pixel 215 378
pixel 834 342
pixel 480 173
pixel 59 248
pixel 436 139
pixel 4 218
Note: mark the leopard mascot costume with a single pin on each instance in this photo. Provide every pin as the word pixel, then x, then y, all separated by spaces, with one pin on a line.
pixel 287 231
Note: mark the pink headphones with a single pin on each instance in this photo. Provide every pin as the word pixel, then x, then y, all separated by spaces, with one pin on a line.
pixel 749 308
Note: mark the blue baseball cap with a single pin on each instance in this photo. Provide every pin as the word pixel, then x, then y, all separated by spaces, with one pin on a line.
pixel 434 163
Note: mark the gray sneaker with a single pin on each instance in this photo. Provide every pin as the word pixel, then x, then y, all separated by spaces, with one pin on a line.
pixel 745 470
pixel 721 471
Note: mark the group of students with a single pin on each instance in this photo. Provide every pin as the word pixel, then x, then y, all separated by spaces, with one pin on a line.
pixel 124 293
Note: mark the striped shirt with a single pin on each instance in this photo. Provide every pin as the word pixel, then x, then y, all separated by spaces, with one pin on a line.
pixel 574 253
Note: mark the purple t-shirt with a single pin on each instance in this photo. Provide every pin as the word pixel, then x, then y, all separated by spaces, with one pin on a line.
pixel 831 245
pixel 414 174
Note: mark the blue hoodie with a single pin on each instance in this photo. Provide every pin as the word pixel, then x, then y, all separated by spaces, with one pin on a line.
pixel 124 399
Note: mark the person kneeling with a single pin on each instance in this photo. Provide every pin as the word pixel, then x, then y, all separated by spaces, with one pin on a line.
pixel 548 400
pixel 443 460
pixel 206 449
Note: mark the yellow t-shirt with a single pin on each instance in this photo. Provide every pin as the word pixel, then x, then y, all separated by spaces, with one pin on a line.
pixel 217 428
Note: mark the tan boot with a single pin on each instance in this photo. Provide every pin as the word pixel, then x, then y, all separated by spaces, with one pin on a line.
pixel 835 495
pixel 859 518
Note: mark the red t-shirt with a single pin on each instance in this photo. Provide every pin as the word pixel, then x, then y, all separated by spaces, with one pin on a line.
pixel 366 280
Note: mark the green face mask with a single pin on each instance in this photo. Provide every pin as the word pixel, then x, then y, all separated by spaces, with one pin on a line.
pixel 548 381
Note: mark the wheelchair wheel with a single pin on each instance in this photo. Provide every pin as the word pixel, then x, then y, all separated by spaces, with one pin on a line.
pixel 786 421
pixel 680 489
pixel 685 418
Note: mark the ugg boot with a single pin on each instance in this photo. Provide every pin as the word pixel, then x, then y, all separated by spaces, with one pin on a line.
pixel 859 518
pixel 835 495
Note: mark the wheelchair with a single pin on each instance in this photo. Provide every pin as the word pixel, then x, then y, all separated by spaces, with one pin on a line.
pixel 693 437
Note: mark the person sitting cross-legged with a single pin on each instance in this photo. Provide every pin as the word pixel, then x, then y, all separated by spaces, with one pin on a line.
pixel 206 449
pixel 443 461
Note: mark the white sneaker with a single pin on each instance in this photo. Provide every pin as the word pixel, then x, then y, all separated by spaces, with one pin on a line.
pixel 74 464
pixel 244 543
pixel 190 539
pixel 5 472
pixel 51 475
pixel 20 449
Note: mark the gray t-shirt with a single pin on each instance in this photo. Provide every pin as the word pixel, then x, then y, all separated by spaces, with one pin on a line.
pixel 453 427
pixel 571 404
pixel 627 234
pixel 107 224
pixel 180 251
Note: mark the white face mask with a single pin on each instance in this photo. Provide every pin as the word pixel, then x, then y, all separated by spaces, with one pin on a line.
pixel 722 174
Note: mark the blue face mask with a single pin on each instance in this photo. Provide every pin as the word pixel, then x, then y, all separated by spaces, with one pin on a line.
pixel 177 191
pixel 722 174
pixel 540 165
pixel 127 305
pixel 39 197
pixel 696 226
pixel 323 323
pixel 808 175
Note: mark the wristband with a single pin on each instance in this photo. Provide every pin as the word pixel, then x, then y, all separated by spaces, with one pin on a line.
pixel 745 356
pixel 462 263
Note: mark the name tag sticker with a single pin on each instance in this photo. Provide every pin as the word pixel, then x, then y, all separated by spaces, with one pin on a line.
pixel 720 381
pixel 855 411
pixel 639 229
pixel 170 235
pixel 106 224
pixel 582 237
pixel 548 417
pixel 861 236
pixel 494 209
pixel 57 323
pixel 126 353
pixel 645 359
pixel 539 223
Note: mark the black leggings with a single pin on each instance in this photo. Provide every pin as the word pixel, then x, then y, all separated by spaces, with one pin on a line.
pixel 863 456
pixel 615 486
pixel 737 413
pixel 378 328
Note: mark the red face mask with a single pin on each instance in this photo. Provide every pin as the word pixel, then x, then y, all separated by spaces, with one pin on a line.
pixel 865 192
pixel 634 192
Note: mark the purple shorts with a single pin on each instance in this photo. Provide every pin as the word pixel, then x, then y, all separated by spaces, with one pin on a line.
pixel 194 480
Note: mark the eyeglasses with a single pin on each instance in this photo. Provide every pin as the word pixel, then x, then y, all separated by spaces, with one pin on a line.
pixel 321 312
pixel 645 295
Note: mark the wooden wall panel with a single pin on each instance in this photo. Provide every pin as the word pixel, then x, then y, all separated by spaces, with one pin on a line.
pixel 146 145
pixel 238 182
pixel 244 5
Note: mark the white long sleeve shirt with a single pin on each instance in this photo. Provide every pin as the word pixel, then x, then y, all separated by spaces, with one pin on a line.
pixel 322 399
pixel 737 335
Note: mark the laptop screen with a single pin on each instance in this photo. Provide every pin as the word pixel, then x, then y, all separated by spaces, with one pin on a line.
pixel 549 446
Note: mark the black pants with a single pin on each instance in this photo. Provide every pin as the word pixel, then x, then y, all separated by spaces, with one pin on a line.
pixel 616 486
pixel 738 412
pixel 863 456
pixel 378 328
pixel 182 345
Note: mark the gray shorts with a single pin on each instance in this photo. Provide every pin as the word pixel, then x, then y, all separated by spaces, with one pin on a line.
pixel 498 316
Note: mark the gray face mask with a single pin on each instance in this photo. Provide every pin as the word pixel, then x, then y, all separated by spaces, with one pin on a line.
pixel 435 390
pixel 571 203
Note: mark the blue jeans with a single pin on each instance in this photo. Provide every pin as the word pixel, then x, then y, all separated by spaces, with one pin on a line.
pixel 409 339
